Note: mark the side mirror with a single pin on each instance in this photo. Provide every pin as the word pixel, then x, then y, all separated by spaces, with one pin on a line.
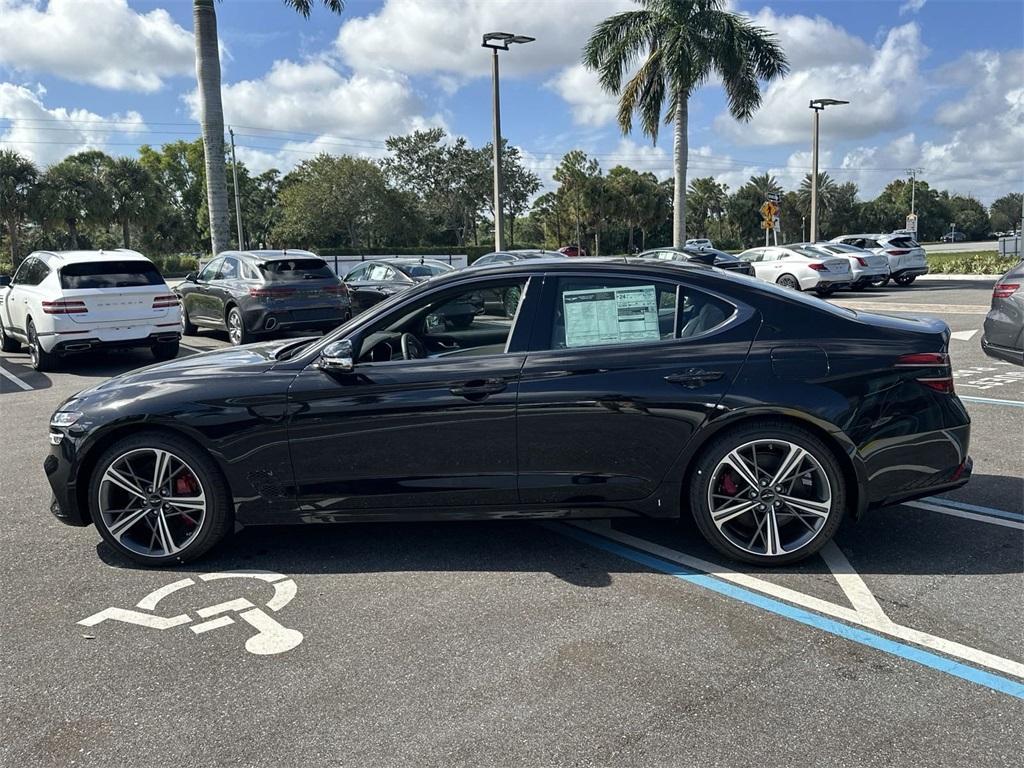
pixel 5 280
pixel 337 356
pixel 190 277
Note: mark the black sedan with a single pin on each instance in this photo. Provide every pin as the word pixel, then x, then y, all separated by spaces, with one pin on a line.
pixel 709 256
pixel 618 388
pixel 373 281
pixel 253 293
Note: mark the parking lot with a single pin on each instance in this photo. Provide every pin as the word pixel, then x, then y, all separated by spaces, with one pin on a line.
pixel 631 643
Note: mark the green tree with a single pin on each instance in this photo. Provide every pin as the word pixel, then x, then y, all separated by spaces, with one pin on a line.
pixel 132 193
pixel 18 177
pixel 573 175
pixel 179 171
pixel 519 185
pixel 1006 212
pixel 72 192
pixel 970 216
pixel 765 184
pixel 685 42
pixel 706 201
pixel 211 110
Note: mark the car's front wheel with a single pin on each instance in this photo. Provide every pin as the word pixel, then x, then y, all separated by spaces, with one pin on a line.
pixel 158 499
pixel 768 493
pixel 8 343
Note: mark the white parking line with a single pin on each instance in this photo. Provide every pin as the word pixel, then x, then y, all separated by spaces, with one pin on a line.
pixel 953 512
pixel 8 375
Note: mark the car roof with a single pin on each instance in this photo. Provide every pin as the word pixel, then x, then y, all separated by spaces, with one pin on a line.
pixel 272 255
pixel 78 257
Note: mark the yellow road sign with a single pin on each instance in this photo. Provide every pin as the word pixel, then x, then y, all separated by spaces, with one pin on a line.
pixel 769 209
pixel 768 224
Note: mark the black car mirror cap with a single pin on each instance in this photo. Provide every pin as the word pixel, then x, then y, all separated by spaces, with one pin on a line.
pixel 337 356
pixel 5 280
pixel 190 277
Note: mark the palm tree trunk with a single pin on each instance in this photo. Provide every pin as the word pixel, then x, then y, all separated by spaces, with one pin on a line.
pixel 73 233
pixel 12 231
pixel 211 117
pixel 126 235
pixel 681 148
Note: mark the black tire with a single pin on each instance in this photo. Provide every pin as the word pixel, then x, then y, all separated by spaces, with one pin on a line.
pixel 165 350
pixel 884 282
pixel 858 287
pixel 238 334
pixel 219 514
pixel 8 343
pixel 825 292
pixel 39 358
pixel 905 280
pixel 788 281
pixel 720 447
pixel 187 326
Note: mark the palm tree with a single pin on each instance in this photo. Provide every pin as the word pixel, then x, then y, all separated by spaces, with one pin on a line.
pixel 131 189
pixel 211 110
pixel 72 192
pixel 18 176
pixel 685 42
pixel 827 192
pixel 765 185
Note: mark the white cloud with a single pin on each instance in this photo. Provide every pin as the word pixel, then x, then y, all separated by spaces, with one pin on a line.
pixel 589 103
pixel 443 36
pixel 985 77
pixel 912 6
pixel 48 134
pixel 813 42
pixel 99 42
pixel 884 92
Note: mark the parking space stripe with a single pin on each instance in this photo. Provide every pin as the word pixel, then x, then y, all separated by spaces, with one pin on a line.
pixel 975 508
pixel 865 637
pixel 8 375
pixel 966 515
pixel 992 401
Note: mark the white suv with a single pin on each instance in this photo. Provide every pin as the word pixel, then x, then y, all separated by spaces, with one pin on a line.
pixel 61 302
pixel 907 260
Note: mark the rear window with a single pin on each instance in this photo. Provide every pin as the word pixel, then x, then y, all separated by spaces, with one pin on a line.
pixel 903 242
pixel 806 250
pixel 295 269
pixel 428 270
pixel 109 274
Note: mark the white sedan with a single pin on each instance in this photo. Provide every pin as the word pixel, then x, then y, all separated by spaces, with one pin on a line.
pixel 800 267
pixel 63 302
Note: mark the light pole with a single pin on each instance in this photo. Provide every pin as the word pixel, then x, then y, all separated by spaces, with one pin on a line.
pixel 499 41
pixel 238 202
pixel 817 105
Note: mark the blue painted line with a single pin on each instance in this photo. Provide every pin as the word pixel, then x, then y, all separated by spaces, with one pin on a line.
pixel 864 637
pixel 1004 514
pixel 992 401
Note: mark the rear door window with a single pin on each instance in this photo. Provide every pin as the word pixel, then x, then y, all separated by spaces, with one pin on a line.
pixel 295 269
pixel 109 274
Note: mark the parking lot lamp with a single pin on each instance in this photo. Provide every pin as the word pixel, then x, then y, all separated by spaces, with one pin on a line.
pixel 817 105
pixel 499 41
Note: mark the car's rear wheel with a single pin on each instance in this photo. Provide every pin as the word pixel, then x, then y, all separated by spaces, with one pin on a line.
pixel 166 350
pixel 884 282
pixel 39 358
pixel 187 326
pixel 237 332
pixel 8 343
pixel 158 499
pixel 905 280
pixel 858 286
pixel 788 281
pixel 768 493
pixel 825 291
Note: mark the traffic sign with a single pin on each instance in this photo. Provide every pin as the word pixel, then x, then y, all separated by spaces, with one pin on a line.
pixel 773 197
pixel 912 223
pixel 768 224
pixel 769 209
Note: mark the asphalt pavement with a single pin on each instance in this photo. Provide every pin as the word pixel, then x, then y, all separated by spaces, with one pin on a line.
pixel 524 643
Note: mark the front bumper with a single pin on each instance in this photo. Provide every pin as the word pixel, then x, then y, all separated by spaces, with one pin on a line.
pixel 60 468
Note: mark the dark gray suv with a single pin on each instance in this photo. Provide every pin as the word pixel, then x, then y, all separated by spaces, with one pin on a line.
pixel 1004 326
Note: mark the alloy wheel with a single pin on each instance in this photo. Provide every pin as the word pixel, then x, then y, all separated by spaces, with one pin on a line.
pixel 152 502
pixel 33 345
pixel 235 327
pixel 769 497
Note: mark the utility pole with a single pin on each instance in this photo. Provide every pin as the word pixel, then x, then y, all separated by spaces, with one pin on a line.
pixel 913 187
pixel 238 201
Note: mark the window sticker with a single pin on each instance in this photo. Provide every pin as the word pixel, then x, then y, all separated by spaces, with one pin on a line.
pixel 610 315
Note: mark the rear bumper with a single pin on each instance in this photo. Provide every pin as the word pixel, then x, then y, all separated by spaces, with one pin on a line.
pixel 907 272
pixel 266 319
pixel 943 481
pixel 66 345
pixel 1007 354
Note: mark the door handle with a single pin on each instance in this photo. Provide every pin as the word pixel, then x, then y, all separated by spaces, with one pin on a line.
pixel 694 377
pixel 478 388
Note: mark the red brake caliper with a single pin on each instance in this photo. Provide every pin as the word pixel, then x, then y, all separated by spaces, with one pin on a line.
pixel 728 485
pixel 186 485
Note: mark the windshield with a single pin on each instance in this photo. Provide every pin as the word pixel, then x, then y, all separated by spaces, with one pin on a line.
pixel 109 274
pixel 428 270
pixel 295 269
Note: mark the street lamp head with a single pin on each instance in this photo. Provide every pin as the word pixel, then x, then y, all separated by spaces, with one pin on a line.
pixel 500 41
pixel 822 103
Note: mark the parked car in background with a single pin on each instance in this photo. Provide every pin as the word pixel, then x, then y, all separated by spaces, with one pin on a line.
pixel 255 293
pixel 572 251
pixel 699 242
pixel 868 268
pixel 800 267
pixel 1003 336
pixel 373 281
pixel 709 256
pixel 621 387
pixel 953 237
pixel 507 257
pixel 907 260
pixel 63 302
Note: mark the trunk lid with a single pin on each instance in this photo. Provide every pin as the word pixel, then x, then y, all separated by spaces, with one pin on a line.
pixel 112 292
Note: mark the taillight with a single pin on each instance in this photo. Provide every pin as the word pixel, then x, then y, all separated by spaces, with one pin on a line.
pixel 897 252
pixel 165 301
pixel 271 293
pixel 1005 290
pixel 818 267
pixel 861 260
pixel 936 372
pixel 336 290
pixel 64 307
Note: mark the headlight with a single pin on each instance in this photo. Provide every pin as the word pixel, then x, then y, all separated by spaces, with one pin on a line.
pixel 64 418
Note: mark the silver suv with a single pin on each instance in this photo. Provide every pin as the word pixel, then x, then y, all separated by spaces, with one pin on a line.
pixel 906 258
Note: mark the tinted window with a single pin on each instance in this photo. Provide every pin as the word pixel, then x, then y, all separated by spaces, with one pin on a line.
pixel 358 273
pixel 752 256
pixel 904 242
pixel 806 250
pixel 230 269
pixel 109 274
pixel 31 272
pixel 210 270
pixel 295 269
pixel 428 270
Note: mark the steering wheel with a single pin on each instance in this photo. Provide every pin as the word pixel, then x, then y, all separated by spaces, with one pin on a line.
pixel 412 348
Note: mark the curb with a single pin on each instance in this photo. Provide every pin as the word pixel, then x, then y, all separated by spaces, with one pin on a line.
pixel 940 276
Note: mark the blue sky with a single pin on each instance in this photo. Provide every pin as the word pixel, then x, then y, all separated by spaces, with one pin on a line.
pixel 934 84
